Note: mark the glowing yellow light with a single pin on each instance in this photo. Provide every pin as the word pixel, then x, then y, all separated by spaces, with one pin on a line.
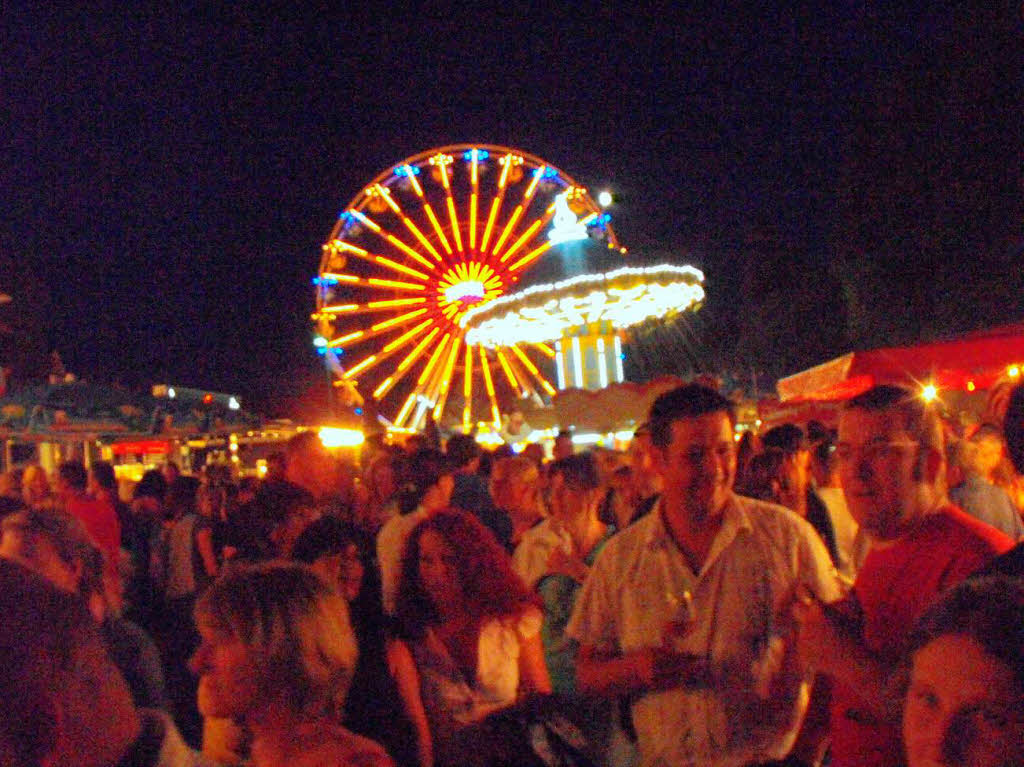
pixel 366 220
pixel 547 350
pixel 391 302
pixel 511 376
pixel 467 390
pixel 354 371
pixel 408 251
pixel 339 277
pixel 489 226
pixel 340 308
pixel 413 181
pixel 384 386
pixel 399 267
pixel 407 336
pixel 530 231
pixel 446 379
pixel 455 223
pixel 419 236
pixel 929 392
pixel 395 284
pixel 400 418
pixel 971 386
pixel 533 184
pixel 472 219
pixel 1013 371
pixel 417 351
pixel 398 320
pixel 349 248
pixel 509 226
pixel 437 228
pixel 333 437
pixel 432 361
pixel 533 255
pixel 346 339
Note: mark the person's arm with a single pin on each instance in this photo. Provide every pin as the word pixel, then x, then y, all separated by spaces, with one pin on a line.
pixel 407 679
pixel 826 644
pixel 533 671
pixel 652 668
pixel 204 542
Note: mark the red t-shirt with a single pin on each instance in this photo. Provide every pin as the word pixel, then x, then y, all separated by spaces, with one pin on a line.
pixel 893 588
pixel 100 520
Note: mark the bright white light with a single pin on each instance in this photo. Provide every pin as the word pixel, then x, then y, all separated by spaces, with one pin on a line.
pixel 560 364
pixel 331 436
pixel 602 364
pixel 566 226
pixel 624 298
pixel 468 292
pixel 319 341
pixel 586 439
pixel 577 362
pixel 233 404
pixel 929 392
pixel 618 360
pixel 604 199
pixel 171 394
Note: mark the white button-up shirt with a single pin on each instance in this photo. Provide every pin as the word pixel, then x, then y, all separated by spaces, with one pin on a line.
pixel 738 613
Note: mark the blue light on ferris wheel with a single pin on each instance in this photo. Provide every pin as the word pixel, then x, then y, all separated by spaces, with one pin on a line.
pixel 481 154
pixel 407 170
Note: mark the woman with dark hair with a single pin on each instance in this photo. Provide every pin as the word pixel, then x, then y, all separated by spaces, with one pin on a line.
pixel 425 485
pixel 964 703
pixel 471 631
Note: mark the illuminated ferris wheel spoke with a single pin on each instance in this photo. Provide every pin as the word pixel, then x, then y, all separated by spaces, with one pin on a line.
pixel 385 194
pixel 546 350
pixel 443 385
pixel 509 373
pixel 467 390
pixel 395 241
pixel 485 368
pixel 372 258
pixel 528 364
pixel 509 226
pixel 405 365
pixel 373 282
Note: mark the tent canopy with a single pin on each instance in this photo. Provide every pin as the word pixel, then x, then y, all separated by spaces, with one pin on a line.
pixel 973 361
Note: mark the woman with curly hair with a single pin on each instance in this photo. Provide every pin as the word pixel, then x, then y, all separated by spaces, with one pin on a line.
pixel 471 632
pixel 277 656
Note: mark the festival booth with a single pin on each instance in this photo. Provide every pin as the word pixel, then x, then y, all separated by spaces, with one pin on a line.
pixel 968 372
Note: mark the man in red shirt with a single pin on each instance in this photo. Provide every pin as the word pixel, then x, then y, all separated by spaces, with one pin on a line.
pixel 98 516
pixel 892 466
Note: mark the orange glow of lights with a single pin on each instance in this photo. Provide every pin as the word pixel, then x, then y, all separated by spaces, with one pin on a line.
pixel 384 386
pixel 509 226
pixel 437 228
pixel 530 231
pixel 532 256
pixel 1013 371
pixel 417 351
pixel 472 220
pixel 346 339
pixel 400 418
pixel 399 267
pixel 407 336
pixel 432 361
pixel 490 223
pixel 546 350
pixel 419 236
pixel 511 376
pixel 339 277
pixel 394 284
pixel 393 302
pixel 971 386
pixel 455 223
pixel 408 251
pixel 525 360
pixel 398 320
pixel 366 220
pixel 354 371
pixel 413 181
pixel 533 184
pixel 340 308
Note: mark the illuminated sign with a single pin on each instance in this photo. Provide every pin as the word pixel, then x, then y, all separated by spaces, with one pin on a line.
pixel 566 226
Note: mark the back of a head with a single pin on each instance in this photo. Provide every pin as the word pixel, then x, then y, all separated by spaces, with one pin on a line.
pixel 513 471
pixel 324 537
pixel 56 682
pixel 417 474
pixel 297 628
pixel 181 495
pixel 462 449
pixel 73 473
pixel 765 475
pixel 989 610
pixel 692 400
pixel 68 538
pixel 152 485
pixel 103 474
pixel 788 437
pixel 578 472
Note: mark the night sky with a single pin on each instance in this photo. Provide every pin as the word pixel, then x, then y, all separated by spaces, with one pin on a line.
pixel 847 174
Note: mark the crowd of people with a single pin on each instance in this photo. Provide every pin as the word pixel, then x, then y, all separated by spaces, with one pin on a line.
pixel 849 596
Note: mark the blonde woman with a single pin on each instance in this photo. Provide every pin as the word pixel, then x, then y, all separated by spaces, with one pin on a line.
pixel 36 491
pixel 277 656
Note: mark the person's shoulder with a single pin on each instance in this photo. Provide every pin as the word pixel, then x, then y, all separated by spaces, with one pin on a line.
pixel 336 745
pixel 955 526
pixel 768 518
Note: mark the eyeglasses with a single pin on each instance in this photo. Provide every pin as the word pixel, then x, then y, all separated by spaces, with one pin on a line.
pixel 873 451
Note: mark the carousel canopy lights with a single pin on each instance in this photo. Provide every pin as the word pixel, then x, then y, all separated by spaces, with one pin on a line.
pixel 624 297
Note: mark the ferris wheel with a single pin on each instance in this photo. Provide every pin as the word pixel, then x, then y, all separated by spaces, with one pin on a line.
pixel 433 236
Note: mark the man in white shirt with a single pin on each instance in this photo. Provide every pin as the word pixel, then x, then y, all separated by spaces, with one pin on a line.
pixel 688 610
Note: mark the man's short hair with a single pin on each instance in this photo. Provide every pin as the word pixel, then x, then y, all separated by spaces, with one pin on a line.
pixel 74 474
pixel 67 535
pixel 689 401
pixel 788 437
pixel 578 472
pixel 918 418
pixel 462 449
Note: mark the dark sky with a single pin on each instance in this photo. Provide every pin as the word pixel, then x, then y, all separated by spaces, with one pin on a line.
pixel 168 177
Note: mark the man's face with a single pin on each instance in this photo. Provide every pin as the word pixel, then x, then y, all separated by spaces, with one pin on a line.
pixel 699 464
pixel 876 463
